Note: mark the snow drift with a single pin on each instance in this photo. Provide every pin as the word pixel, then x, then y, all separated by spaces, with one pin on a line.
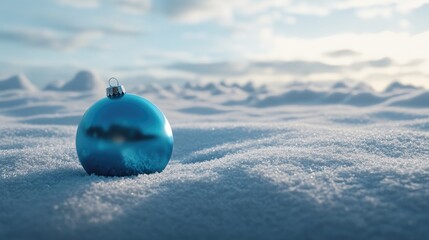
pixel 82 81
pixel 17 82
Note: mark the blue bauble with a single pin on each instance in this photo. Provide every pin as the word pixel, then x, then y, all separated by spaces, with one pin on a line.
pixel 124 135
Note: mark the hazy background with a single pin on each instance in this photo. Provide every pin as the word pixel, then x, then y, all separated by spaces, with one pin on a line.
pixel 374 41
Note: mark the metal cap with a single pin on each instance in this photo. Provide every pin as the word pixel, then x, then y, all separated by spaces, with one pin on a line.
pixel 115 91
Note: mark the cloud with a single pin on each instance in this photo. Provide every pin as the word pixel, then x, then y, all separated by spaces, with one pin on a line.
pixel 215 68
pixel 137 6
pixel 372 8
pixel 194 35
pixel 293 67
pixel 299 68
pixel 107 29
pixel 342 53
pixel 193 11
pixel 157 55
pixel 66 37
pixel 374 12
pixel 48 39
pixel 379 63
pixel 399 46
pixel 134 6
pixel 196 11
pixel 290 20
pixel 307 9
pixel 80 3
pixel 404 24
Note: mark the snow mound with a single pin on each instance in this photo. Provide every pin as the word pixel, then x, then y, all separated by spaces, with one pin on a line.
pixel 248 94
pixel 417 100
pixel 397 86
pixel 156 89
pixel 55 86
pixel 17 82
pixel 84 81
pixel 363 87
pixel 302 96
pixel 340 85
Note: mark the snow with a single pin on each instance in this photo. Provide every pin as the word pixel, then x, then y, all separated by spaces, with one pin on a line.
pixel 83 81
pixel 250 162
pixel 397 86
pixel 55 86
pixel 17 82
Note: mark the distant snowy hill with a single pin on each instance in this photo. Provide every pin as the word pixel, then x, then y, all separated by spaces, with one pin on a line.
pixel 17 82
pixel 55 86
pixel 248 94
pixel 82 81
pixel 395 86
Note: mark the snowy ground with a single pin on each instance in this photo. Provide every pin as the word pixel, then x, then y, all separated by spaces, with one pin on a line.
pixel 300 162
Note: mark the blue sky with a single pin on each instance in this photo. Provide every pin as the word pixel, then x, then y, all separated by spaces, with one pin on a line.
pixel 376 41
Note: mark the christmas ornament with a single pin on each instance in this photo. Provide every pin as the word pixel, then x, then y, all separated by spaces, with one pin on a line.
pixel 122 135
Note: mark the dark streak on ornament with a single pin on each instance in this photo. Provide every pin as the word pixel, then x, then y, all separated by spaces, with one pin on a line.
pixel 117 132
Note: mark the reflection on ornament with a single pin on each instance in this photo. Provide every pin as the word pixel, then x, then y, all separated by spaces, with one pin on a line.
pixel 122 135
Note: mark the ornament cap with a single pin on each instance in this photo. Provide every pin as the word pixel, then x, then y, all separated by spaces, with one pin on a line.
pixel 115 91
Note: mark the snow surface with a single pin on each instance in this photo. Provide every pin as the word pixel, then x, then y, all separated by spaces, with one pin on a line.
pixel 304 161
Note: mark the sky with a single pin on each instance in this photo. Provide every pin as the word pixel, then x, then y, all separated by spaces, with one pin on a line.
pixel 271 41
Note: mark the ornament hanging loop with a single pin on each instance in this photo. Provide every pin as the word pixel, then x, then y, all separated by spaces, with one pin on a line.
pixel 113 78
pixel 115 91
